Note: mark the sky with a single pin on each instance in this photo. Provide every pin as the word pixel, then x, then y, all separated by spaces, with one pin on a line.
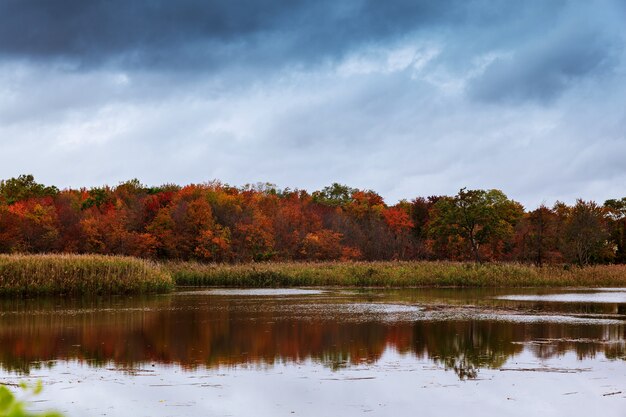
pixel 405 97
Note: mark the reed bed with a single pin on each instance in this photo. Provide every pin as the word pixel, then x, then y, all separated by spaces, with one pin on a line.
pixel 99 274
pixel 394 274
pixel 80 274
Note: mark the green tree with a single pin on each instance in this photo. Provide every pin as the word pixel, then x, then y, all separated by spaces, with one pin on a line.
pixel 336 195
pixel 24 187
pixel 477 216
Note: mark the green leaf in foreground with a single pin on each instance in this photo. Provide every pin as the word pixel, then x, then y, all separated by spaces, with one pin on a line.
pixel 10 406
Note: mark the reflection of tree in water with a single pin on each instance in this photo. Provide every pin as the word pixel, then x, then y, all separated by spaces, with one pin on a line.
pixel 467 346
pixel 461 367
pixel 223 333
pixel 552 340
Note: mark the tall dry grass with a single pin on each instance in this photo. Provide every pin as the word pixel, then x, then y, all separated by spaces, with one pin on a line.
pixel 393 274
pixel 80 274
pixel 98 274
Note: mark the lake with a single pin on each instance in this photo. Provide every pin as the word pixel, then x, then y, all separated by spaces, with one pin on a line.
pixel 339 352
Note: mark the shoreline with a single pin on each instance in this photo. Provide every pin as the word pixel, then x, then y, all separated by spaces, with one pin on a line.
pixel 388 274
pixel 64 274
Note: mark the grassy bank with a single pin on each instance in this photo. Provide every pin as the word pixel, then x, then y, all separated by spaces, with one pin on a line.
pixel 80 274
pixel 96 274
pixel 394 274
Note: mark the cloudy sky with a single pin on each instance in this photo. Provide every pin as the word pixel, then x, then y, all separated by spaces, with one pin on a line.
pixel 406 97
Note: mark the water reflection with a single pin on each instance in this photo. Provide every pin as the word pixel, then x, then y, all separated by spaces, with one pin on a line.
pixel 208 330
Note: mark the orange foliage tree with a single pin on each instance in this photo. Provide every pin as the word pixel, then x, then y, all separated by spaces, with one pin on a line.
pixel 215 222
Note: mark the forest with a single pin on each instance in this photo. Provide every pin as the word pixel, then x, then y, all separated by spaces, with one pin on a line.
pixel 216 222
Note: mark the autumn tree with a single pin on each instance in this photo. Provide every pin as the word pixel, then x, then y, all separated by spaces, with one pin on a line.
pixel 186 228
pixel 36 223
pixel 254 239
pixel 10 230
pixel 215 222
pixel 586 235
pixel 365 227
pixel 537 236
pixel 293 220
pixel 421 209
pixel 68 210
pixel 616 222
pixel 399 222
pixel 322 245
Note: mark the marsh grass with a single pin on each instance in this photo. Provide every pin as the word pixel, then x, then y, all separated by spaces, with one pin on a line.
pixel 394 274
pixel 98 274
pixel 80 274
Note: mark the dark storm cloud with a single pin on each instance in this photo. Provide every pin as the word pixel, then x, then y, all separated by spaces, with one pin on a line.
pixel 393 95
pixel 161 31
pixel 207 35
pixel 542 70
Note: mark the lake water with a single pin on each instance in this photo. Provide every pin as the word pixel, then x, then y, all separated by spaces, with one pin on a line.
pixel 323 353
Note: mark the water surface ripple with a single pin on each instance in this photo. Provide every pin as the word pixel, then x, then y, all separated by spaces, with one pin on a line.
pixel 322 352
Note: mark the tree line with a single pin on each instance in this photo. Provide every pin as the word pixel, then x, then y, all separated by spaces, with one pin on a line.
pixel 215 222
